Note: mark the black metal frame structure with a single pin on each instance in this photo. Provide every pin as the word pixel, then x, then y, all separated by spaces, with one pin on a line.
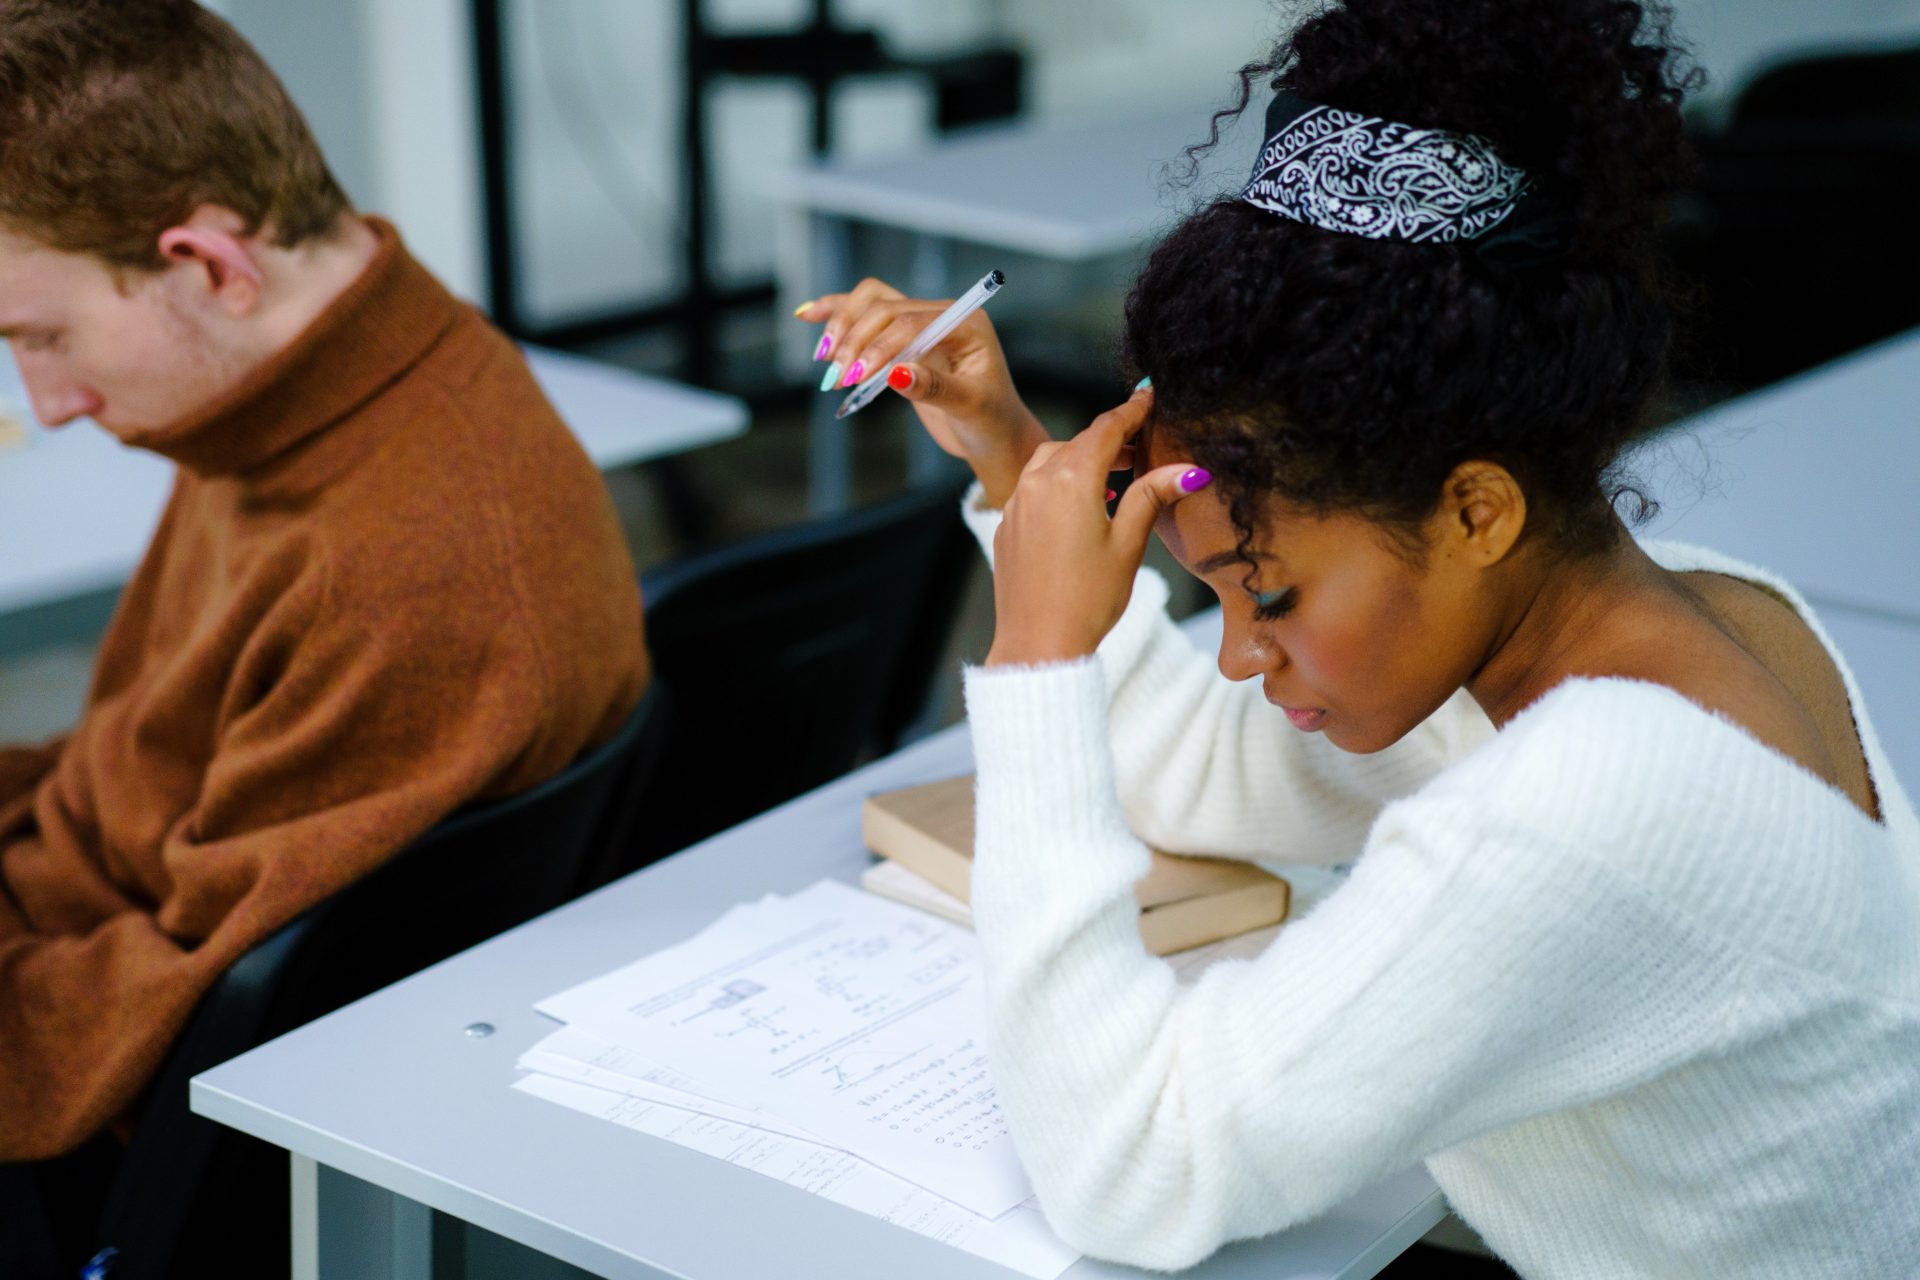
pixel 819 55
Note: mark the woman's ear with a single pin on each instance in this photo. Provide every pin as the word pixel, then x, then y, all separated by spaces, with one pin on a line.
pixel 1483 511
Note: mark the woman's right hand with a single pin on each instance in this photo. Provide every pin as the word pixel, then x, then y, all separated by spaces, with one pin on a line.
pixel 961 390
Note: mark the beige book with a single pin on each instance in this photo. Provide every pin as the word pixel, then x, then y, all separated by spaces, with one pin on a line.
pixel 1184 902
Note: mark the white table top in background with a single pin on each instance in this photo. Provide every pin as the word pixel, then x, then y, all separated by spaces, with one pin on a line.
pixel 77 507
pixel 1067 192
pixel 1816 478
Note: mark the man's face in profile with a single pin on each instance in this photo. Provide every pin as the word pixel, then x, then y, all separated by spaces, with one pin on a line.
pixel 128 349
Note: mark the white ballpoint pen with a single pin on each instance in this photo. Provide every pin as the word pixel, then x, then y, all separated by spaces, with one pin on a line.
pixel 930 337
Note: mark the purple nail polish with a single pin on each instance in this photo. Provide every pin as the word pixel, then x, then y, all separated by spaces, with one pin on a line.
pixel 826 345
pixel 853 374
pixel 1195 480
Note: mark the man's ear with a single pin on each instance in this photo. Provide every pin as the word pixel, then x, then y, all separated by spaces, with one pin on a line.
pixel 216 252
pixel 1484 511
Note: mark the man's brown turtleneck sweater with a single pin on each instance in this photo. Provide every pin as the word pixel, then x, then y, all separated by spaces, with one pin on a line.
pixel 388 581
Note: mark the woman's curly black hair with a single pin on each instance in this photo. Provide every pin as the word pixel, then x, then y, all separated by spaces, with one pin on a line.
pixel 1336 372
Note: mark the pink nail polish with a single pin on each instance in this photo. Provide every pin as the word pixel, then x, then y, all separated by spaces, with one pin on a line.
pixel 1195 480
pixel 853 374
pixel 1111 495
pixel 826 345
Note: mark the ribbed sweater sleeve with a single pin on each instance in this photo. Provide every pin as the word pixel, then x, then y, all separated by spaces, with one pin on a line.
pixel 1158 1123
pixel 1206 766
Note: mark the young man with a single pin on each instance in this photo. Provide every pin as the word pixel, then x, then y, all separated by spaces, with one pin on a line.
pixel 388 580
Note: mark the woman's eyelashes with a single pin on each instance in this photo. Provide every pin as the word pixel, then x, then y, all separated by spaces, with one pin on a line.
pixel 1268 606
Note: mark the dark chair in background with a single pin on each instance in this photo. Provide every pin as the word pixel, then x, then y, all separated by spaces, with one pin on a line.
pixel 193 1199
pixel 791 657
pixel 1800 225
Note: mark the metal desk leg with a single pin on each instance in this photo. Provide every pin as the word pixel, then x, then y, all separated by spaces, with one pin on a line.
pixel 346 1229
pixel 829 440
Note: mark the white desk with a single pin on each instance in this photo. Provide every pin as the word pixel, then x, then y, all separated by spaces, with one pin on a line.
pixel 77 507
pixel 1816 478
pixel 1067 193
pixel 387 1106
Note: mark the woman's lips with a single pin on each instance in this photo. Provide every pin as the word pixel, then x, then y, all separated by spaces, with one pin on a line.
pixel 1306 719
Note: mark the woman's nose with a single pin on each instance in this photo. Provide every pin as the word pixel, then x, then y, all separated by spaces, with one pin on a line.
pixel 1244 654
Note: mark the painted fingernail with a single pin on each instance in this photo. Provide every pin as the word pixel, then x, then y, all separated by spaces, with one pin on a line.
pixel 802 309
pixel 1145 384
pixel 833 376
pixel 901 378
pixel 853 374
pixel 826 345
pixel 1111 495
pixel 1195 480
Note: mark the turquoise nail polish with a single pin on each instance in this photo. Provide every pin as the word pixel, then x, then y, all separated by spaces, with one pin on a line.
pixel 1145 384
pixel 833 376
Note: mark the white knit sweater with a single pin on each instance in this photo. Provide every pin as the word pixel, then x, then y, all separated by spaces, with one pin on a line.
pixel 1643 994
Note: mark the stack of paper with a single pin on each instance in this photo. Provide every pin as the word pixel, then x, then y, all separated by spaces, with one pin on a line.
pixel 831 1039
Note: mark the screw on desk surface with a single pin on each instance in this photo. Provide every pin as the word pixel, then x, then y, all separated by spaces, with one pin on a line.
pixel 479 1030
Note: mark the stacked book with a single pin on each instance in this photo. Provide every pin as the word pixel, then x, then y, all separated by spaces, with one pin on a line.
pixel 924 836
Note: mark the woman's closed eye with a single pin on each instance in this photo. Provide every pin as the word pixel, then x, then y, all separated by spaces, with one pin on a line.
pixel 1269 606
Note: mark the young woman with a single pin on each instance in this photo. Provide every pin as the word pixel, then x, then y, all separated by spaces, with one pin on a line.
pixel 1630 957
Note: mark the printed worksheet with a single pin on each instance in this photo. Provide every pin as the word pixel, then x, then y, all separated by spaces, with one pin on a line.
pixel 1018 1239
pixel 834 1012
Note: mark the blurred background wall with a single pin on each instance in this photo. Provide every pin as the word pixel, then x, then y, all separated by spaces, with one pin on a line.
pixel 596 84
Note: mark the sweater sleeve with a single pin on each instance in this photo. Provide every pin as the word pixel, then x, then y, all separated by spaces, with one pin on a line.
pixel 22 767
pixel 1451 987
pixel 340 744
pixel 1207 766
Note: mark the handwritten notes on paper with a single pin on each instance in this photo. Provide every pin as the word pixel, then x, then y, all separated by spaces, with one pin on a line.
pixel 832 1039
pixel 855 1018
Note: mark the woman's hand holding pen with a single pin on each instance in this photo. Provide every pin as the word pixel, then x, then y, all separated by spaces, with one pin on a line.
pixel 1062 569
pixel 961 390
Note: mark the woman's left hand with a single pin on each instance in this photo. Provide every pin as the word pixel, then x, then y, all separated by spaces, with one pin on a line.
pixel 1062 569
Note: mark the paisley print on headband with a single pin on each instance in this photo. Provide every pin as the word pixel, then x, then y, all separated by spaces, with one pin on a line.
pixel 1342 171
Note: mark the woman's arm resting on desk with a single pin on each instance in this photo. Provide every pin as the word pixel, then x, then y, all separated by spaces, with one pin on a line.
pixel 1447 990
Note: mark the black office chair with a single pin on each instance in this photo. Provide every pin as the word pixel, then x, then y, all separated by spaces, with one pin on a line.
pixel 1798 223
pixel 193 1199
pixel 791 657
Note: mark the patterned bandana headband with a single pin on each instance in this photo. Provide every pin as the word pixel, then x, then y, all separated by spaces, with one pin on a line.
pixel 1342 171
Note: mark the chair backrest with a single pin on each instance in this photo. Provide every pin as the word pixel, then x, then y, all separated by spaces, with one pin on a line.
pixel 791 656
pixel 189 1193
pixel 1857 85
pixel 1818 152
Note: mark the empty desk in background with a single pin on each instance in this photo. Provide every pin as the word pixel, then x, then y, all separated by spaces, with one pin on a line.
pixel 1067 193
pixel 77 507
pixel 391 1110
pixel 1818 479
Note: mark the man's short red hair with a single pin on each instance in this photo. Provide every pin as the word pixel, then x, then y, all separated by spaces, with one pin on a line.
pixel 119 117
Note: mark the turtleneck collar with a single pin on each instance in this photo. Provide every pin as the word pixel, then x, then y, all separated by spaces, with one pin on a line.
pixel 379 327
